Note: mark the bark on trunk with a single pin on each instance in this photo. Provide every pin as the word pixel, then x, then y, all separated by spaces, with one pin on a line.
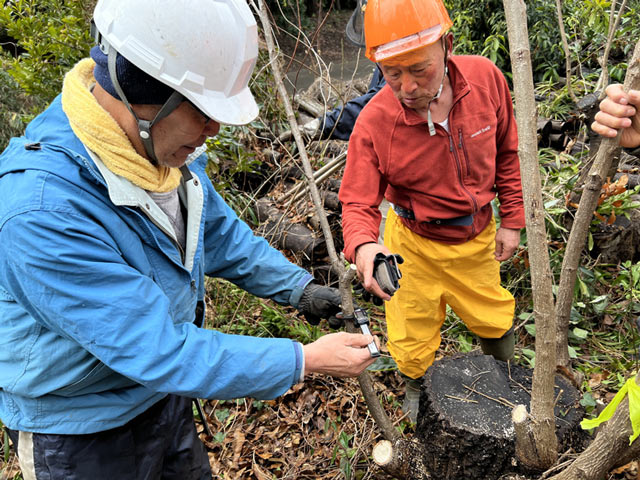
pixel 588 201
pixel 465 428
pixel 542 418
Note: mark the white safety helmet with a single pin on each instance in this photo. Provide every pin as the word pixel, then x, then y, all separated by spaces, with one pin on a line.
pixel 203 49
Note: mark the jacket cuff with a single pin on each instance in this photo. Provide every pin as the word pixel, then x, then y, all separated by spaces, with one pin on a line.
pixel 352 246
pixel 515 223
pixel 298 374
pixel 296 294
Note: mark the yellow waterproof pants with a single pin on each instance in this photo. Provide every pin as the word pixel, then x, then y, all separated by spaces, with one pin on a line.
pixel 434 274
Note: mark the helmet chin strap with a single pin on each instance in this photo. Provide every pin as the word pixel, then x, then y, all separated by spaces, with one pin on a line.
pixel 144 126
pixel 432 127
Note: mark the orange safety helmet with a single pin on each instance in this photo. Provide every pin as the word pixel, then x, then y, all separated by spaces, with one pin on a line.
pixel 393 27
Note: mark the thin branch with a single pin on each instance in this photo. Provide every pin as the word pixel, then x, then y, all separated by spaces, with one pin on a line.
pixel 567 53
pixel 328 167
pixel 295 129
pixel 603 80
pixel 499 400
pixel 584 214
pixel 377 412
pixel 322 177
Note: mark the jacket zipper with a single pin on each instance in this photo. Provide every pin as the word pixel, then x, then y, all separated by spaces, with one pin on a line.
pixel 181 250
pixel 473 200
pixel 459 171
pixel 168 234
pixel 464 150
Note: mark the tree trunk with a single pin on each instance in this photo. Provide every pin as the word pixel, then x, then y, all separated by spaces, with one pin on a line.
pixel 588 201
pixel 542 423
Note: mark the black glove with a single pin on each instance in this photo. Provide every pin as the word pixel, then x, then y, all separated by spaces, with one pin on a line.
pixel 318 302
pixel 367 296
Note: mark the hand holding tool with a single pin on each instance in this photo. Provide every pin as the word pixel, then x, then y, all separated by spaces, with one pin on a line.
pixel 386 272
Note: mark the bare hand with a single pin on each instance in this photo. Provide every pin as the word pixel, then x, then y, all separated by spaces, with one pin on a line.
pixel 365 255
pixel 507 240
pixel 339 354
pixel 618 111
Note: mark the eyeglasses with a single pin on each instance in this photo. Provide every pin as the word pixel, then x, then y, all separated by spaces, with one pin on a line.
pixel 207 119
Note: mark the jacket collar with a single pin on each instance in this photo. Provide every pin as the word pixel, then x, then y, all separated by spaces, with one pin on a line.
pixel 124 193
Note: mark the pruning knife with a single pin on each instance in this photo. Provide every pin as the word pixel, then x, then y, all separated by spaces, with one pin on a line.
pixel 361 319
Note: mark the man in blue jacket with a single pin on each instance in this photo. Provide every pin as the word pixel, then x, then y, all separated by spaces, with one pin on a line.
pixel 108 226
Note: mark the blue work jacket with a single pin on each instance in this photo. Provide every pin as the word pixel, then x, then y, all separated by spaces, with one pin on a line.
pixel 339 122
pixel 98 302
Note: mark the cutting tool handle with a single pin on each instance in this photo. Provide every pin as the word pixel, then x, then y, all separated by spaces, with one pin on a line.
pixel 362 320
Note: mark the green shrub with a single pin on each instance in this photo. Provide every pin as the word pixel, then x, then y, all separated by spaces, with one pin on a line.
pixel 14 109
pixel 54 35
pixel 480 28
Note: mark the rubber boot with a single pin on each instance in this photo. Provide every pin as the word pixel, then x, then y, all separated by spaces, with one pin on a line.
pixel 500 348
pixel 412 388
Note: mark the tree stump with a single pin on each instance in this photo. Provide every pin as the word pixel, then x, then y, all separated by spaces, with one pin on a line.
pixel 619 241
pixel 464 421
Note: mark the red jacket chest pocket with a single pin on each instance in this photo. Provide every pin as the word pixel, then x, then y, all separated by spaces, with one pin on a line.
pixel 475 143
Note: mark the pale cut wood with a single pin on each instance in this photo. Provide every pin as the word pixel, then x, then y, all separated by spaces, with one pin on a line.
pixel 526 450
pixel 402 459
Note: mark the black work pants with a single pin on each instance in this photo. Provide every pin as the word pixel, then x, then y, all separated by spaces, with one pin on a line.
pixel 160 443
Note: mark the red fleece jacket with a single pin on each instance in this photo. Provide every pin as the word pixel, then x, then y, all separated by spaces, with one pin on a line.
pixel 449 175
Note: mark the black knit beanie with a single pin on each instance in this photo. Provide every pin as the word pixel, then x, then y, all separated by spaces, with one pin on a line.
pixel 139 87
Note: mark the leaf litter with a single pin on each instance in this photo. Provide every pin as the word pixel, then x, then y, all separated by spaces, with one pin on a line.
pixel 320 429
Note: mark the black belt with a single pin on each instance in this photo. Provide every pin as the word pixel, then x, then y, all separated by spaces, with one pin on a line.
pixel 463 221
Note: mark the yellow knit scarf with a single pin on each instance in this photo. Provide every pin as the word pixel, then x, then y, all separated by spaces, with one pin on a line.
pixel 98 130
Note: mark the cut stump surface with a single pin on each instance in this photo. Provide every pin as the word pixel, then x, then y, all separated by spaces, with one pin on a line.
pixel 464 420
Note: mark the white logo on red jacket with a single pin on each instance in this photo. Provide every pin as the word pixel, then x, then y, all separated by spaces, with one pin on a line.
pixel 482 130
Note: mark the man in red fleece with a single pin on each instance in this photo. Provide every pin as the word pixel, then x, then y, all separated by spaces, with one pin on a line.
pixel 438 142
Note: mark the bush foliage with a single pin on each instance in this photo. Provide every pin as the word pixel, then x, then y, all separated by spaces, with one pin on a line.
pixel 480 28
pixel 49 36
